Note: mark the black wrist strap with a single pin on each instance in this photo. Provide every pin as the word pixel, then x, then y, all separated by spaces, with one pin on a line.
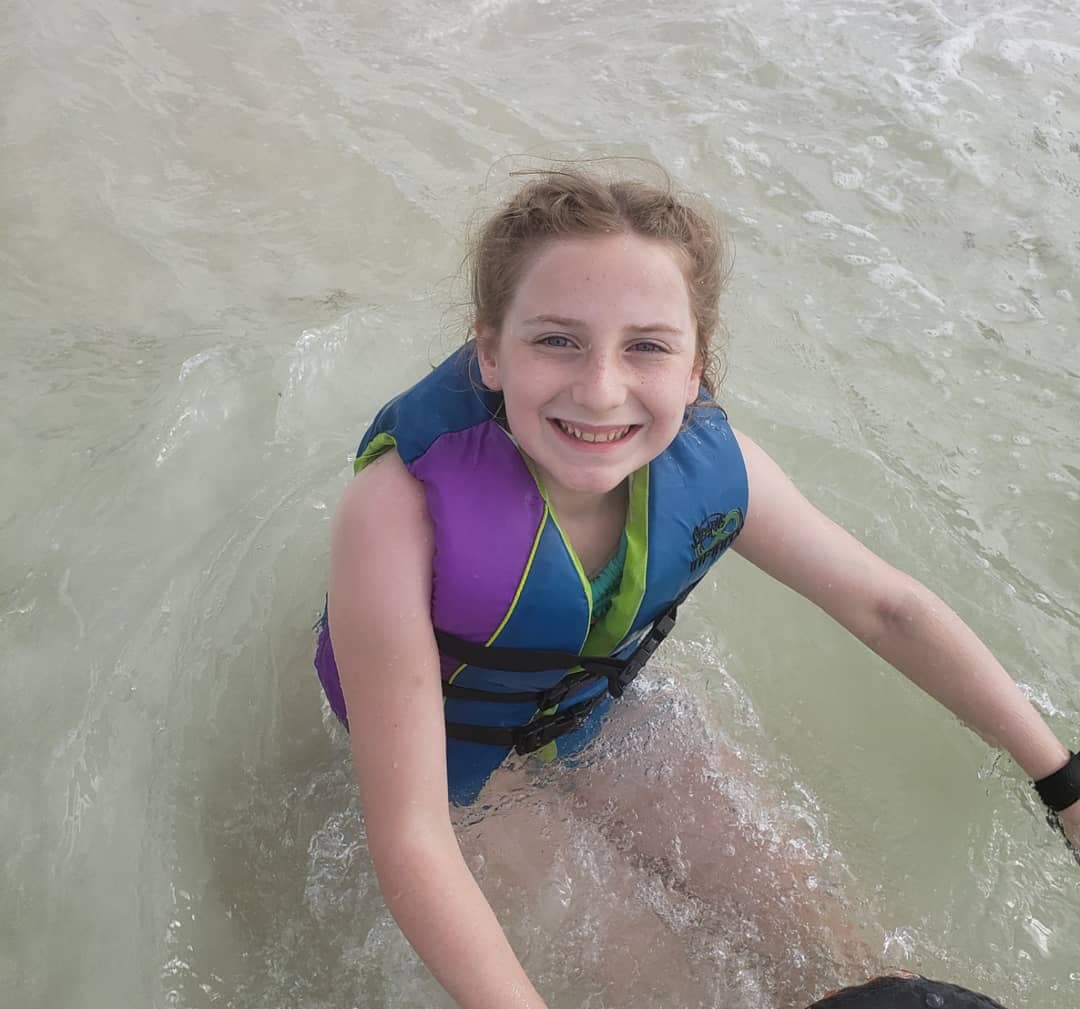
pixel 1062 788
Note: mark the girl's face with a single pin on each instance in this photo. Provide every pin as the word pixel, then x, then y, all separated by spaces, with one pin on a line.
pixel 596 359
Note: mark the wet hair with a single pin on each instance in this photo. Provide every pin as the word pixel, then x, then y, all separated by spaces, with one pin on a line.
pixel 906 992
pixel 578 203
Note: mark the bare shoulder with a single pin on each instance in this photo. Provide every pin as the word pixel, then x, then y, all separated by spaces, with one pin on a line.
pixel 789 538
pixel 385 491
pixel 774 499
pixel 779 518
pixel 380 554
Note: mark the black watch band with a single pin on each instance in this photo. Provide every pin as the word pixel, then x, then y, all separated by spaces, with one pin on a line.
pixel 1062 788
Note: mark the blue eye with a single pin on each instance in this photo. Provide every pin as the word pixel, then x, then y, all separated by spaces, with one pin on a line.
pixel 648 346
pixel 555 340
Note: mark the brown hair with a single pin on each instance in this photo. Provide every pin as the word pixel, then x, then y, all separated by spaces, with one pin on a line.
pixel 573 203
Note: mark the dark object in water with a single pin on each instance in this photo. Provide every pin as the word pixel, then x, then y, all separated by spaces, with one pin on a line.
pixel 905 992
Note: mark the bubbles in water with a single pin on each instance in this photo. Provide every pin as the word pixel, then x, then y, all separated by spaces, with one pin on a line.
pixel 332 853
pixel 899 943
pixel 852 179
pixel 751 151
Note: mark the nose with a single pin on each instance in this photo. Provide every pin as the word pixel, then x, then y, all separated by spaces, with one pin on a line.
pixel 601 384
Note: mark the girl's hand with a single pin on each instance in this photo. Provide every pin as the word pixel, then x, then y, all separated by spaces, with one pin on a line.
pixel 1070 825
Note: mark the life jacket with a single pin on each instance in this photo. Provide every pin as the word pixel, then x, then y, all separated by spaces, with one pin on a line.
pixel 523 663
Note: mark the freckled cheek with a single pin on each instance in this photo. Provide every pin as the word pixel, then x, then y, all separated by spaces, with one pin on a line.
pixel 662 396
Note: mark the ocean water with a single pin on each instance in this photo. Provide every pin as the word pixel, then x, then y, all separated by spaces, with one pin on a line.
pixel 229 232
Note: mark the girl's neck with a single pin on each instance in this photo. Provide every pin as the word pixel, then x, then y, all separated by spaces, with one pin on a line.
pixel 592 523
pixel 571 506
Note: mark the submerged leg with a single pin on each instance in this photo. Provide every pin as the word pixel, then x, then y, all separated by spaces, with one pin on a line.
pixel 660 869
pixel 734 877
pixel 582 917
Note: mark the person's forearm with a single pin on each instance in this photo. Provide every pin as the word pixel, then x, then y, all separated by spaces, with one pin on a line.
pixel 938 652
pixel 442 912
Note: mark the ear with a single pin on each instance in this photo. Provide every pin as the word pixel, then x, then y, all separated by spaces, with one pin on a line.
pixel 487 355
pixel 693 383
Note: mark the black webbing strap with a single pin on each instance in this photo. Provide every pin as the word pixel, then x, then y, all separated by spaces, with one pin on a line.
pixel 520 660
pixel 527 738
pixel 587 669
pixel 555 694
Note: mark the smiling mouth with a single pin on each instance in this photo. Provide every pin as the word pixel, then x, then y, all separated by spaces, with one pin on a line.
pixel 605 436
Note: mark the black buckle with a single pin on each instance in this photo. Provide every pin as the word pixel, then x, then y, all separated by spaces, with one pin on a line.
pixel 618 682
pixel 558 692
pixel 538 733
pixel 554 695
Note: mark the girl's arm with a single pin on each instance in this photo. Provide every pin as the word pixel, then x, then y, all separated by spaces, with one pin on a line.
pixel 895 615
pixel 380 620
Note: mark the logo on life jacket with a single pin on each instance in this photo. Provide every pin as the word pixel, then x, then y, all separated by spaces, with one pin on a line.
pixel 713 536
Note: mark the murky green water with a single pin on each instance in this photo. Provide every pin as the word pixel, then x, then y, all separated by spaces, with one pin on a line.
pixel 228 233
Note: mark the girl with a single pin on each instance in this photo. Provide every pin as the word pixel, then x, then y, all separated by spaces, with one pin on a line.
pixel 527 518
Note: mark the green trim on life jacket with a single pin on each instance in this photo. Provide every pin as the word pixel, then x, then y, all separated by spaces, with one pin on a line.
pixel 379 445
pixel 517 595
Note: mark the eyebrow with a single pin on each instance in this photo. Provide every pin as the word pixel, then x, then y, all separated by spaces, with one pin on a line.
pixel 562 320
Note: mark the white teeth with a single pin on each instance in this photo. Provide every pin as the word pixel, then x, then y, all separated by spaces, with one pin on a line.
pixel 604 436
